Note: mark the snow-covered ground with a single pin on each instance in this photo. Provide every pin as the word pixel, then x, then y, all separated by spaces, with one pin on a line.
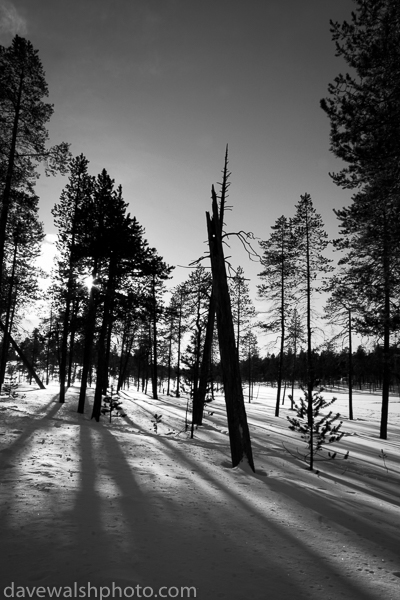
pixel 122 510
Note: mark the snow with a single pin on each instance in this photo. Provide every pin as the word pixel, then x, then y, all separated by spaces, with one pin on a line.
pixel 99 504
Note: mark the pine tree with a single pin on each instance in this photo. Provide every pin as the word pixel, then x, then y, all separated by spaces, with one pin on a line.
pixel 20 275
pixel 311 265
pixel 363 109
pixel 71 246
pixel 340 310
pixel 322 429
pixel 295 336
pixel 370 229
pixel 278 260
pixel 363 106
pixel 178 308
pixel 197 293
pixel 155 306
pixel 119 252
pixel 243 311
pixel 23 126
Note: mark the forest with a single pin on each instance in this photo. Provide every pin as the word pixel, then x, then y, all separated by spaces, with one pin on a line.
pixel 119 405
pixel 108 316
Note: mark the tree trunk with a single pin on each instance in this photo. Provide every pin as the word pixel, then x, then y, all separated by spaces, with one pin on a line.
pixel 198 409
pixel 26 362
pixel 124 362
pixel 7 325
pixel 102 367
pixel 87 350
pixel 310 366
pixel 9 175
pixel 239 434
pixel 154 336
pixel 350 369
pixel 169 360
pixel 75 310
pixel 386 371
pixel 178 366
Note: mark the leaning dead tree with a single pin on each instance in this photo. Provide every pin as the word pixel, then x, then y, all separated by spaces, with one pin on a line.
pixel 200 397
pixel 239 434
pixel 29 367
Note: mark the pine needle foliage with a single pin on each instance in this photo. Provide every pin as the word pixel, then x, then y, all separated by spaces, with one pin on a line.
pixel 323 429
pixel 10 386
pixel 112 405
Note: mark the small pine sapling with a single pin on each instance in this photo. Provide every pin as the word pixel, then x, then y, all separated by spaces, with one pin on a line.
pixel 10 385
pixel 112 404
pixel 156 420
pixel 320 429
pixel 383 456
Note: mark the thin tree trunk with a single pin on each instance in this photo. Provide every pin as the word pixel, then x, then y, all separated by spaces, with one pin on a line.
pixel 280 367
pixel 169 359
pixel 155 353
pixel 101 346
pixel 350 369
pixel 72 341
pixel 7 325
pixel 124 363
pixel 9 175
pixel 108 349
pixel 87 350
pixel 48 347
pixel 178 366
pixel 310 366
pixel 205 363
pixel 385 369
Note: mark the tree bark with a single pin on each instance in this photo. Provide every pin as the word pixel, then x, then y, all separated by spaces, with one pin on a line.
pixel 239 434
pixel 24 359
pixel 10 171
pixel 87 351
pixel 8 324
pixel 154 337
pixel 386 356
pixel 198 406
pixel 178 364
pixel 350 369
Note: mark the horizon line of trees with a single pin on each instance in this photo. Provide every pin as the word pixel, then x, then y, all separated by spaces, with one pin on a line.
pixel 108 293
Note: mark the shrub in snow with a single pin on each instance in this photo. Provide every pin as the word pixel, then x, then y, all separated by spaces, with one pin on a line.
pixel 10 385
pixel 316 429
pixel 112 404
pixel 156 420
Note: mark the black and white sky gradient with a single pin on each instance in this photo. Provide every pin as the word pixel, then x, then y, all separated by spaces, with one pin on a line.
pixel 153 90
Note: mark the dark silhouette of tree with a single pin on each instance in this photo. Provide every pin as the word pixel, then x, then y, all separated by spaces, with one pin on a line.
pixel 311 265
pixel 178 309
pixel 340 310
pixel 370 228
pixel 363 109
pixel 239 434
pixel 363 106
pixel 23 126
pixel 67 218
pixel 197 293
pixel 278 285
pixel 155 306
pixel 243 311
pixel 295 337
pixel 20 274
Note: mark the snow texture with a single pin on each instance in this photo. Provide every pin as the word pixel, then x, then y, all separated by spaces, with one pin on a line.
pixel 97 502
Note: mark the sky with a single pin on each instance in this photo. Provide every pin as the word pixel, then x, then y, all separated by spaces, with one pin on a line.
pixel 153 90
